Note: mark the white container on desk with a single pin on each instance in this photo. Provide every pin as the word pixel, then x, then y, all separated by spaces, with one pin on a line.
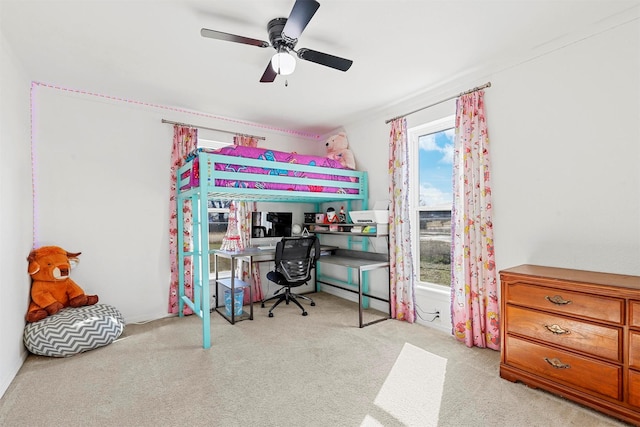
pixel 370 217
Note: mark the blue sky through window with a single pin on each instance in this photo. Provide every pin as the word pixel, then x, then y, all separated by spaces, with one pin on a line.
pixel 436 159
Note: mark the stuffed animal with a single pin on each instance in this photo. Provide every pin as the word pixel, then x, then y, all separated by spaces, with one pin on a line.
pixel 51 288
pixel 338 149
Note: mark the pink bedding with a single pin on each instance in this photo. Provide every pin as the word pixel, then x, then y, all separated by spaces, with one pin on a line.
pixel 277 156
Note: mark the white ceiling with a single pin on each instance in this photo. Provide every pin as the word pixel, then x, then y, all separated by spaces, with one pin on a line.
pixel 151 51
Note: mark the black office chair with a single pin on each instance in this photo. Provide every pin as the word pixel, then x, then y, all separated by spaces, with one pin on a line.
pixel 295 258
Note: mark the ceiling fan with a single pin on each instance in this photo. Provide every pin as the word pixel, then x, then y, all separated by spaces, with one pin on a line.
pixel 283 35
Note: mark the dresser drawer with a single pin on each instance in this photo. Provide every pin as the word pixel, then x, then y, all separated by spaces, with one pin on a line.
pixel 596 307
pixel 598 340
pixel 634 314
pixel 564 367
pixel 634 349
pixel 634 388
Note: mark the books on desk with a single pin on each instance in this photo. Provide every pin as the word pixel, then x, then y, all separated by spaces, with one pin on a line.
pixel 327 250
pixel 364 229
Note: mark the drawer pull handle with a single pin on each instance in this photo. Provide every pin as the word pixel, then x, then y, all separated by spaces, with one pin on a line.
pixel 556 363
pixel 557 299
pixel 558 330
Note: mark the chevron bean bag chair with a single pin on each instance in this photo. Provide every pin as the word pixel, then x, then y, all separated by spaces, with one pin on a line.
pixel 73 330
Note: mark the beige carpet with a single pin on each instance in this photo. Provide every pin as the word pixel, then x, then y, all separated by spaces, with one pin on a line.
pixel 289 370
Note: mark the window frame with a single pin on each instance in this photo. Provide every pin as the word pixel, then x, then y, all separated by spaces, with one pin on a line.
pixel 414 133
pixel 214 144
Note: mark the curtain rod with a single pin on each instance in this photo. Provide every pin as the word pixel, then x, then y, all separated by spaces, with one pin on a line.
pixel 488 84
pixel 217 130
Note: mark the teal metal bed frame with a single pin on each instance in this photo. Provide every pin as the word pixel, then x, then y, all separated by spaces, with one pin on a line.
pixel 207 190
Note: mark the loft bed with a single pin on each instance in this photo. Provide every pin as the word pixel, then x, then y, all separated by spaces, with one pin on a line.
pixel 249 174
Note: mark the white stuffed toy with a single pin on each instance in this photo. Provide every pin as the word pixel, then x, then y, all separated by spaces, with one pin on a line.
pixel 338 149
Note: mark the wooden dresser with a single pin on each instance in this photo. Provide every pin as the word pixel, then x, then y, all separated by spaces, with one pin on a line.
pixel 574 333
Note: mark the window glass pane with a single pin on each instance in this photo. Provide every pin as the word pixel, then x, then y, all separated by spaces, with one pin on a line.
pixel 218 222
pixel 435 247
pixel 434 210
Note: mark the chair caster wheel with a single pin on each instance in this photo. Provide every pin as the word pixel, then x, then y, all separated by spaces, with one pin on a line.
pixel 270 314
pixel 313 304
pixel 262 305
pixel 304 313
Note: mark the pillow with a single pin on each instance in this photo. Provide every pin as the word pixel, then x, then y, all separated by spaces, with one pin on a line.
pixel 74 330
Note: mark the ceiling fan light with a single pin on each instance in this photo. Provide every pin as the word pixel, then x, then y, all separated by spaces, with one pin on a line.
pixel 283 63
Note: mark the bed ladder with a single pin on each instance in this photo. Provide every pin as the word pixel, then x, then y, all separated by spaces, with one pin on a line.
pixel 199 254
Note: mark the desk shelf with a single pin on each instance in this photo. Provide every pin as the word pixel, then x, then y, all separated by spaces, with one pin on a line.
pixel 231 283
pixel 221 309
pixel 237 283
pixel 382 230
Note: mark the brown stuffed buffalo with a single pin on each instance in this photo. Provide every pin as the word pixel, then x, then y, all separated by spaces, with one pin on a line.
pixel 52 289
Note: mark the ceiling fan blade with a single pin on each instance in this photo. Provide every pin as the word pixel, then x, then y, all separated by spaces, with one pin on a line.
pixel 325 59
pixel 219 35
pixel 269 74
pixel 301 14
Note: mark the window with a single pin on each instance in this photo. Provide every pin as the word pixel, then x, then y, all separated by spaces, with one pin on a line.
pixel 218 216
pixel 431 200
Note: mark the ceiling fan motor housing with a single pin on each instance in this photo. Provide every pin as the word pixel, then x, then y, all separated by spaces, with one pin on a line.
pixel 276 37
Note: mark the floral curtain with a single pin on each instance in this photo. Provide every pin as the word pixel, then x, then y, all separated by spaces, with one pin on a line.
pixel 243 215
pixel 474 286
pixel 401 259
pixel 185 140
pixel 239 229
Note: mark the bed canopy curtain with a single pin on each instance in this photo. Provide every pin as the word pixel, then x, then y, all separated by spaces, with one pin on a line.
pixel 474 287
pixel 401 259
pixel 185 140
pixel 239 229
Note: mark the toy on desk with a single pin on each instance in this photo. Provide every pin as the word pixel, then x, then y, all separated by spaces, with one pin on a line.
pixel 331 215
pixel 342 216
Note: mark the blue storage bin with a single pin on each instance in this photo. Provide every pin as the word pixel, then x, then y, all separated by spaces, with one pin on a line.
pixel 238 301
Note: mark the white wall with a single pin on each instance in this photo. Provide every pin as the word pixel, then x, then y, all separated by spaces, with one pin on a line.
pixel 566 149
pixel 15 213
pixel 564 128
pixel 102 186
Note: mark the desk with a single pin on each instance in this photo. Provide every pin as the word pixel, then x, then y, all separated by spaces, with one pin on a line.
pixel 360 260
pixel 250 255
pixel 363 262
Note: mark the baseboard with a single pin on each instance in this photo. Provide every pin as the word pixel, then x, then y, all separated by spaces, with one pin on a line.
pixel 11 371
